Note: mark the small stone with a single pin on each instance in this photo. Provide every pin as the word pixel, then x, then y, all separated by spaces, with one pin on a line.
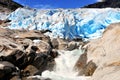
pixel 55 43
pixel 72 45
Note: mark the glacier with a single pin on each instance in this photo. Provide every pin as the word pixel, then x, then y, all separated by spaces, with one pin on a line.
pixel 65 23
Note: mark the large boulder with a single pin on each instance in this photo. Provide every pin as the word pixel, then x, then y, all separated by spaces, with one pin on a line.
pixel 7 46
pixel 107 73
pixel 105 53
pixel 44 47
pixel 16 57
pixel 7 70
pixel 7 42
pixel 106 49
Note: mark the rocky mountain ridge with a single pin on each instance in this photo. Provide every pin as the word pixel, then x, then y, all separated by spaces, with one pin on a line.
pixel 10 4
pixel 6 7
pixel 105 4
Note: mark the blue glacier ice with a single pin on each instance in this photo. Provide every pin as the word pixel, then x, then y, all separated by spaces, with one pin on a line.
pixel 65 23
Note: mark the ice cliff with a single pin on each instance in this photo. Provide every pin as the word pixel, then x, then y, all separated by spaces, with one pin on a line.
pixel 65 23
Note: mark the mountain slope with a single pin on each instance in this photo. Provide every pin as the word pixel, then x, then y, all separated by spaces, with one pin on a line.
pixel 6 7
pixel 10 4
pixel 105 4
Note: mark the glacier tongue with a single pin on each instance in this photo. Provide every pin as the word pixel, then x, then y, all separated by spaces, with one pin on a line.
pixel 65 23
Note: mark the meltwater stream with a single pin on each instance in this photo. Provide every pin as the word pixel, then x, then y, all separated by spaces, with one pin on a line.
pixel 64 69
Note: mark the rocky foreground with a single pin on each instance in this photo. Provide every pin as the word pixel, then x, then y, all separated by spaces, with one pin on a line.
pixel 26 53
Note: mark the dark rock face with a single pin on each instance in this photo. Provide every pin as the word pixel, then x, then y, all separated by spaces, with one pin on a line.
pixel 105 4
pixel 10 4
pixel 16 55
pixel 81 63
pixel 83 67
pixel 7 70
pixel 89 68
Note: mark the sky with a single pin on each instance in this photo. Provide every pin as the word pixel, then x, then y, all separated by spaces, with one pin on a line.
pixel 51 4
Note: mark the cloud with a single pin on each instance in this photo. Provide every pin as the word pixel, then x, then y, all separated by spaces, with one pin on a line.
pixel 41 6
pixel 100 0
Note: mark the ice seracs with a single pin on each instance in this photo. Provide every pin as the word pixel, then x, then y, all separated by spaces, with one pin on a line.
pixel 65 23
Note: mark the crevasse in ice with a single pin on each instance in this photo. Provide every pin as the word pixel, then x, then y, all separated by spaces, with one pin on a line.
pixel 65 23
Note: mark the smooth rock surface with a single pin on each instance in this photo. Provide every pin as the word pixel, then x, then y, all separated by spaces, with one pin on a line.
pixel 105 53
